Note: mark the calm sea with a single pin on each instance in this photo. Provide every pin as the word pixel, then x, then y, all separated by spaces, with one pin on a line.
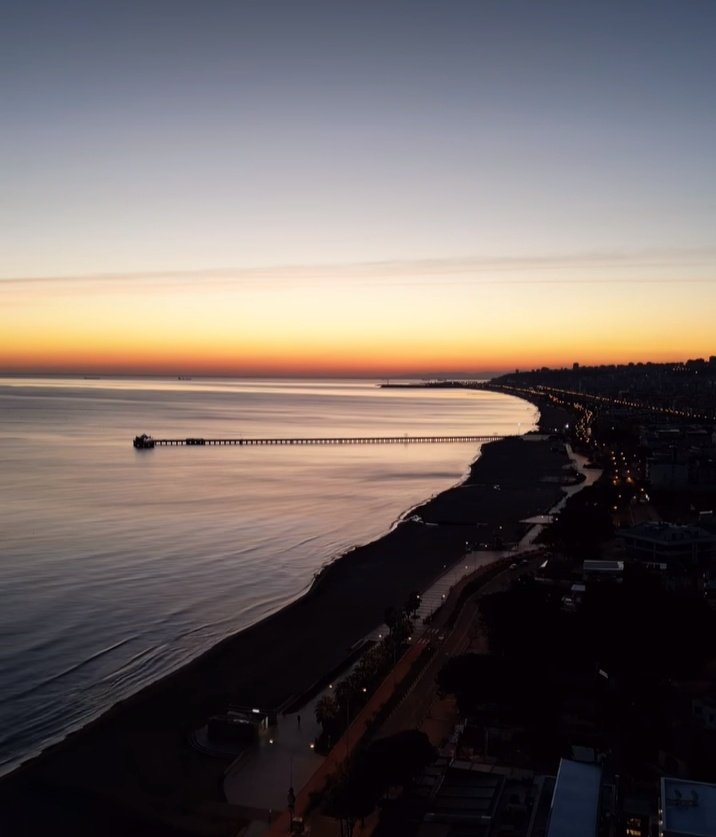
pixel 117 566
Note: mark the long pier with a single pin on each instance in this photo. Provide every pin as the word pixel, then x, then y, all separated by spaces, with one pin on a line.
pixel 146 442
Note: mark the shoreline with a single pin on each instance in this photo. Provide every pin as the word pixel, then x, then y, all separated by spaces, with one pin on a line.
pixel 305 590
pixel 135 755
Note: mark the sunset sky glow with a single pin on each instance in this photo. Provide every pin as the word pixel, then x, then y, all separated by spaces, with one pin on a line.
pixel 339 188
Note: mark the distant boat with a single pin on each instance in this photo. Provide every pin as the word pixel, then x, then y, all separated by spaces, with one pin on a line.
pixel 183 377
pixel 143 442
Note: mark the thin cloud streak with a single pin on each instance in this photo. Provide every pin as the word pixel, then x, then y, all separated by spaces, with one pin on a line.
pixel 479 270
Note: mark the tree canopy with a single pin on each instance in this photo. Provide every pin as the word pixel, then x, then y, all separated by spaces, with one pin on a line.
pixel 387 762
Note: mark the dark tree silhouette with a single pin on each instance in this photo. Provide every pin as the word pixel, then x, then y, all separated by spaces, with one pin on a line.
pixel 327 714
pixel 353 794
pixel 392 617
pixel 387 762
pixel 397 759
pixel 412 603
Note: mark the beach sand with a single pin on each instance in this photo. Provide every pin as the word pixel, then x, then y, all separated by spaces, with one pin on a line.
pixel 134 770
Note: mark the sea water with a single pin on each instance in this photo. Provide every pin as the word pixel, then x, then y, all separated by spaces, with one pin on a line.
pixel 118 565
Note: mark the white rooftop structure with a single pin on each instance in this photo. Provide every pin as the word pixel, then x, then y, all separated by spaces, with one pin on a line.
pixel 688 809
pixel 604 567
pixel 575 802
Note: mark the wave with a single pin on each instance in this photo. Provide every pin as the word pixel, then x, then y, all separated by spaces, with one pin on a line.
pixel 71 669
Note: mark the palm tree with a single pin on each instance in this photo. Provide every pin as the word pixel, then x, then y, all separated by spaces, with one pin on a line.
pixel 327 713
pixel 412 603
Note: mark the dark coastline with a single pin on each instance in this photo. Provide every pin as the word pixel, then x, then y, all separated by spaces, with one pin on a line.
pixel 133 768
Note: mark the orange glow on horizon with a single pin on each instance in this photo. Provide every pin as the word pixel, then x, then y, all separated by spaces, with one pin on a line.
pixel 343 325
pixel 125 361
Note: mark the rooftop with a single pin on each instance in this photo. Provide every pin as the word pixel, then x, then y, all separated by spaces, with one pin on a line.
pixel 575 802
pixel 466 796
pixel 603 566
pixel 666 532
pixel 688 808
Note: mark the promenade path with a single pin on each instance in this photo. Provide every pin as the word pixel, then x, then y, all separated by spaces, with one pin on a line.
pixel 454 639
pixel 351 737
pixel 282 758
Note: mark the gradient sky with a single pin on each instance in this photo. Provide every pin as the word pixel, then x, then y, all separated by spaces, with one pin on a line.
pixel 371 187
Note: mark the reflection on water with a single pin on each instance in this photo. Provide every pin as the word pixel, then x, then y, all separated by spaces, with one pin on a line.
pixel 118 565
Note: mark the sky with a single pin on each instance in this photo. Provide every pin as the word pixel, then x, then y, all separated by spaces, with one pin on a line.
pixel 377 188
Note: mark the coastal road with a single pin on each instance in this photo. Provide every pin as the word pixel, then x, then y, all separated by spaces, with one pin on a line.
pixel 465 636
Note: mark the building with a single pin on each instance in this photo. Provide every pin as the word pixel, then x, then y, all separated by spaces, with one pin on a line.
pixel 575 802
pixel 232 728
pixel 639 815
pixel 466 801
pixel 572 601
pixel 664 470
pixel 603 570
pixel 667 543
pixel 704 711
pixel 687 809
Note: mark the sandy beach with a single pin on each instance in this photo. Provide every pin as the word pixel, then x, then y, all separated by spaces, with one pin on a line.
pixel 134 769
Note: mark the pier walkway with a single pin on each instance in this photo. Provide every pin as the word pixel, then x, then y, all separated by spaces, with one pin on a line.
pixel 145 441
